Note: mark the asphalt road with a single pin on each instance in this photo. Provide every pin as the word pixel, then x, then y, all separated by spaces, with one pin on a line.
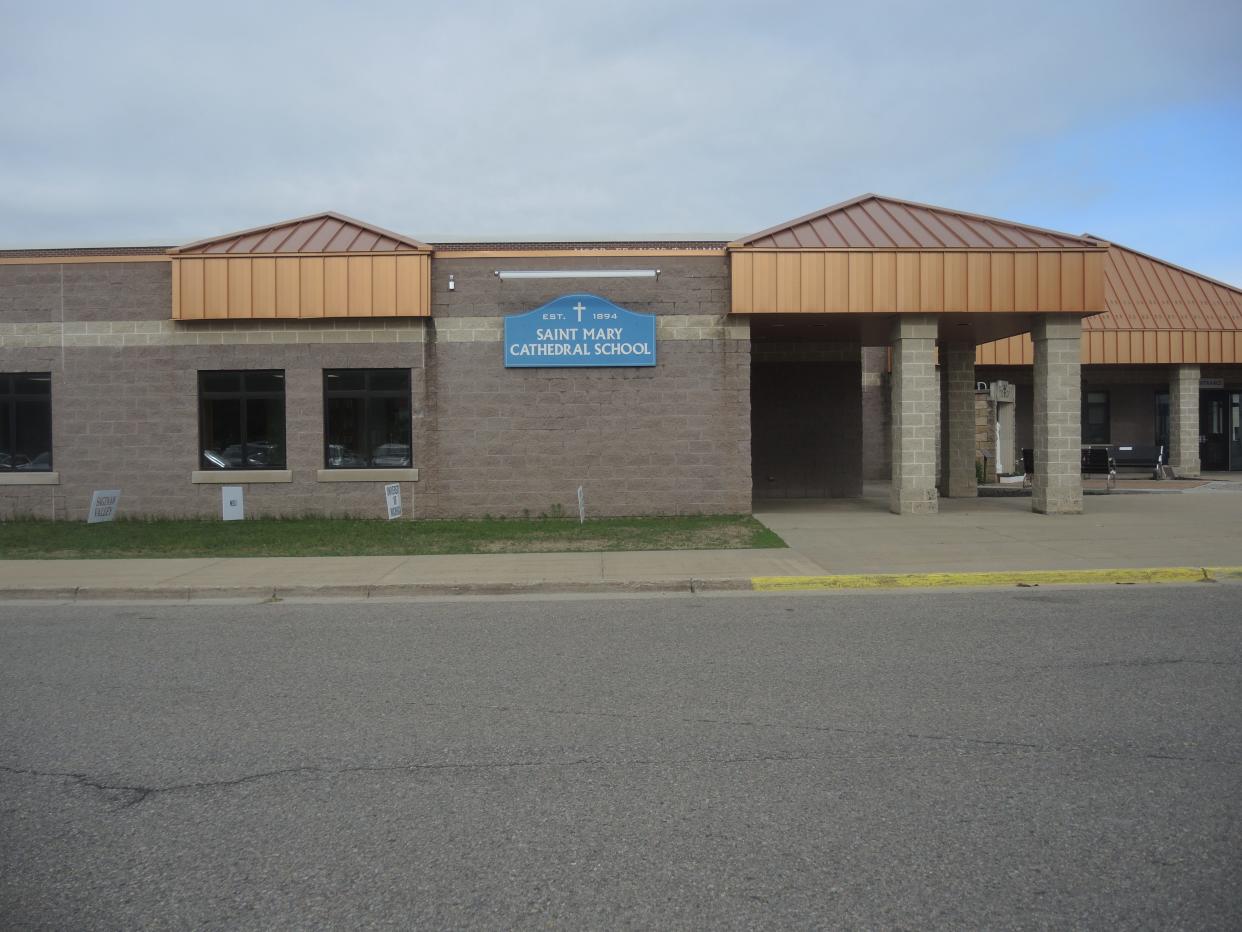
pixel 1015 758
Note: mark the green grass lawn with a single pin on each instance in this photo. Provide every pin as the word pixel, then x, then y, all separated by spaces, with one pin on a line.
pixel 323 537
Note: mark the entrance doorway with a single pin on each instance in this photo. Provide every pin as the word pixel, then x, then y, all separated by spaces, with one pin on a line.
pixel 1220 430
pixel 806 429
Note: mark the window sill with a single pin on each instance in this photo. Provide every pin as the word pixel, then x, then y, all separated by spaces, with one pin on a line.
pixel 29 478
pixel 367 475
pixel 239 476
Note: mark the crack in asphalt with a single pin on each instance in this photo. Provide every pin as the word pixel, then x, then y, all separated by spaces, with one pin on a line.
pixel 138 794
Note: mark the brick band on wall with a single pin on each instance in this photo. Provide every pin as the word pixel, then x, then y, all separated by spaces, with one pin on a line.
pixel 116 333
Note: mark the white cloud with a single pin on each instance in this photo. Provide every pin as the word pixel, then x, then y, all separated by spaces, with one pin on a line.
pixel 166 123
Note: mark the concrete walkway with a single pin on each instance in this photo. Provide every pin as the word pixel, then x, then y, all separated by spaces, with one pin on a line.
pixel 1202 528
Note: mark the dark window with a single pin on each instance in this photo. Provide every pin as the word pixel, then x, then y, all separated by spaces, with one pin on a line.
pixel 26 421
pixel 366 418
pixel 241 419
pixel 1095 417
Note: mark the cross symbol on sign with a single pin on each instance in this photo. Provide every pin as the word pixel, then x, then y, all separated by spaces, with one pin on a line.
pixel 579 307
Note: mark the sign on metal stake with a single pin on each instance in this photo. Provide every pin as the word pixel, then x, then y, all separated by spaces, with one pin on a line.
pixel 103 506
pixel 392 498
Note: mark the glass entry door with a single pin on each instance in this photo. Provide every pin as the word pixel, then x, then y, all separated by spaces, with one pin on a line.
pixel 1213 430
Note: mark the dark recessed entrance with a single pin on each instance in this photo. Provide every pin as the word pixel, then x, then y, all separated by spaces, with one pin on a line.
pixel 806 429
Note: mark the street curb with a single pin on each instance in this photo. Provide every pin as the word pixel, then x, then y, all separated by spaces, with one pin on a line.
pixel 1020 578
pixel 684 585
pixel 396 591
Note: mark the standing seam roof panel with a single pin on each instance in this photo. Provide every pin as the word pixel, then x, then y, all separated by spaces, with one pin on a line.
pixel 867 227
pixel 827 233
pixel 1146 294
pixel 874 222
pixel 884 216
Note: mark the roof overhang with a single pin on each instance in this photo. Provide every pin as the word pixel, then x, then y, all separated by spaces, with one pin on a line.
pixel 875 255
pixel 325 265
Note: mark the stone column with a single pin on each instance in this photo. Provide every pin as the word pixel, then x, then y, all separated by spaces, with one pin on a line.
pixel 915 407
pixel 957 421
pixel 1058 414
pixel 1184 421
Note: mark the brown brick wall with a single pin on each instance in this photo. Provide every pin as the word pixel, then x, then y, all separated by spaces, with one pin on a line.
pixel 670 439
pixel 686 285
pixel 91 290
pixel 127 418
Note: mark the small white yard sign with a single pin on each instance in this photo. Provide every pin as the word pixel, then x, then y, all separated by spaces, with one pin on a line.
pixel 392 497
pixel 232 503
pixel 103 506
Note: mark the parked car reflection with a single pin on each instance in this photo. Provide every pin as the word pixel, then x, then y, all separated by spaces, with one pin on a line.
pixel 259 454
pixel 340 456
pixel 23 462
pixel 391 454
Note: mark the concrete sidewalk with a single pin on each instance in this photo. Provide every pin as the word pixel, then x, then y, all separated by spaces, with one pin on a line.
pixel 826 538
pixel 1199 527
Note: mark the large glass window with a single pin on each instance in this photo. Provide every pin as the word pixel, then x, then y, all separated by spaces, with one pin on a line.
pixel 366 418
pixel 241 419
pixel 26 421
pixel 1095 417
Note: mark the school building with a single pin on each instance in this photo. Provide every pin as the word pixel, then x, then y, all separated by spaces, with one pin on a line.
pixel 314 361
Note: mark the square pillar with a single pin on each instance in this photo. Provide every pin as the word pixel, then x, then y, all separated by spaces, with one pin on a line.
pixel 916 409
pixel 1058 414
pixel 1184 421
pixel 957 421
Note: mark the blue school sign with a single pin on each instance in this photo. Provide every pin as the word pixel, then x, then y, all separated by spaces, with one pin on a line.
pixel 579 330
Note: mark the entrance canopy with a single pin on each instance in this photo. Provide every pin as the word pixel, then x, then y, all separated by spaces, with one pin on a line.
pixel 879 256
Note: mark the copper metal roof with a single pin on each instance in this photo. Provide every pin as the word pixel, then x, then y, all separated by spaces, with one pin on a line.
pixel 1145 293
pixel 875 222
pixel 326 232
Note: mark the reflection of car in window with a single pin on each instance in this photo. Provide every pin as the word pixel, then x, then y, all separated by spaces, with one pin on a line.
pixel 340 455
pixel 216 459
pixel 41 461
pixel 259 453
pixel 391 454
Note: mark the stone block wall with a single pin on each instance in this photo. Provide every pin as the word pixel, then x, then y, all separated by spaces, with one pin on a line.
pixel 674 438
pixel 125 415
pixel 985 434
pixel 916 415
pixel 1057 485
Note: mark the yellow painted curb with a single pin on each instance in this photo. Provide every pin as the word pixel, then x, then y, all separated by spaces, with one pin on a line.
pixel 1177 574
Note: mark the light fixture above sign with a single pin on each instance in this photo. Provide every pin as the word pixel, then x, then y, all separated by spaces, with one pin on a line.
pixel 505 274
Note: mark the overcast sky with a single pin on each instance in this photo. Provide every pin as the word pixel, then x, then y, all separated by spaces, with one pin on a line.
pixel 127 123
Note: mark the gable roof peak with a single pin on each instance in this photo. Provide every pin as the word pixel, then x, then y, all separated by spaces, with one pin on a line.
pixel 327 231
pixel 876 221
